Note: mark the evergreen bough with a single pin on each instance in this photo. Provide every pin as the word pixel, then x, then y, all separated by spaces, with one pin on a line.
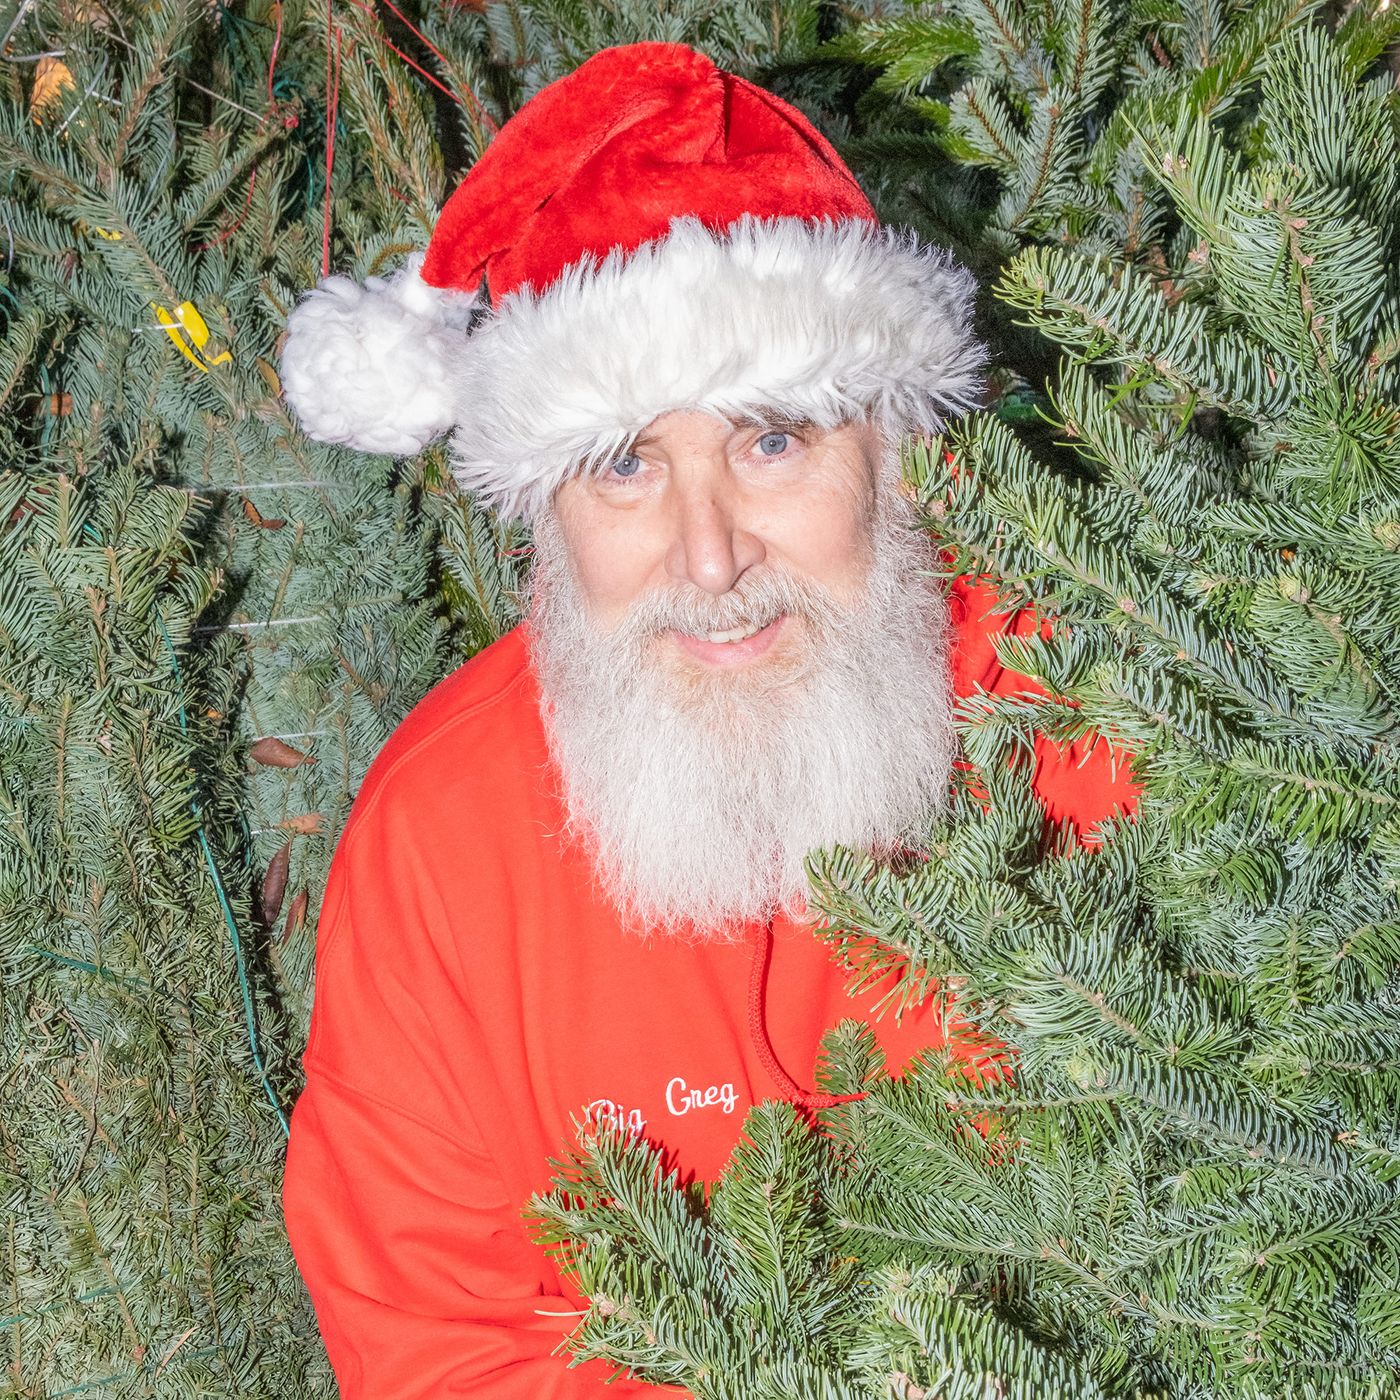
pixel 1185 1182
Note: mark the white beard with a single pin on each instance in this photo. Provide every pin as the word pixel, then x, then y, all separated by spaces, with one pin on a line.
pixel 699 792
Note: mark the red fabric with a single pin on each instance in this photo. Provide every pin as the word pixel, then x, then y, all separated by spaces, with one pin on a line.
pixel 606 157
pixel 475 995
pixel 1080 784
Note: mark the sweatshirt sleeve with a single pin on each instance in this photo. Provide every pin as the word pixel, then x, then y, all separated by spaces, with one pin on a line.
pixel 1079 784
pixel 425 1281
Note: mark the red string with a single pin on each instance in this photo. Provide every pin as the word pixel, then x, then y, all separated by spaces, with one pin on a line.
pixel 333 95
pixel 758 1033
pixel 276 44
pixel 418 68
pixel 481 113
pixel 253 177
pixel 332 108
pixel 418 33
pixel 236 224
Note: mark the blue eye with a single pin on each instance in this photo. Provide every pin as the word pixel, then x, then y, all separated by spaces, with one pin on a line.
pixel 774 444
pixel 629 465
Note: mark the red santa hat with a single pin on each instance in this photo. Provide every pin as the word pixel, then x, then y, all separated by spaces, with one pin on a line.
pixel 649 233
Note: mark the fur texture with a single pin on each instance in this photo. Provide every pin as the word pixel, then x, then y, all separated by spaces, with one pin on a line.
pixel 813 320
pixel 374 367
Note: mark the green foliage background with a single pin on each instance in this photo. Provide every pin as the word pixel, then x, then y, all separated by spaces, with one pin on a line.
pixel 209 625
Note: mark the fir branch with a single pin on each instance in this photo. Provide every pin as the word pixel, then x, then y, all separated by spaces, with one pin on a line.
pixel 1124 320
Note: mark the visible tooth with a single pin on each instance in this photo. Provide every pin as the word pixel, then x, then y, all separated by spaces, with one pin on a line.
pixel 735 634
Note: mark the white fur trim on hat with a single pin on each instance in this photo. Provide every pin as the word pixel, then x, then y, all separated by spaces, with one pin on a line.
pixel 817 321
pixel 374 367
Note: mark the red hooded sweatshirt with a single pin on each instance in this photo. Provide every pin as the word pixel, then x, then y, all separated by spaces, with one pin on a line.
pixel 475 996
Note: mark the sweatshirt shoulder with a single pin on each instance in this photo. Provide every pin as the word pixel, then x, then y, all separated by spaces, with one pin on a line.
pixel 469 716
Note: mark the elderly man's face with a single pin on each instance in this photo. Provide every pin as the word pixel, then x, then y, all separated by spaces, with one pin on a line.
pixel 703 502
pixel 742 657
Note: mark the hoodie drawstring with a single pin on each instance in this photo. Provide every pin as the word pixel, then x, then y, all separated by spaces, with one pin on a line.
pixel 758 1031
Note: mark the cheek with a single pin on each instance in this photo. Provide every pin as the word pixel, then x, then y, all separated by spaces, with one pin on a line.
pixel 610 553
pixel 828 537
pixel 611 579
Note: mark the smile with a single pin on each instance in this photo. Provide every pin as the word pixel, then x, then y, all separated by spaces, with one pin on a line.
pixel 736 634
pixel 733 647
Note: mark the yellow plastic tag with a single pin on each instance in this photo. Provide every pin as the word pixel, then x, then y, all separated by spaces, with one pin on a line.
pixel 188 320
pixel 198 332
pixel 173 331
pixel 112 235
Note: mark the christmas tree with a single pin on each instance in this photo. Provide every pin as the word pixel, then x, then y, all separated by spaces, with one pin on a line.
pixel 208 628
pixel 209 625
pixel 1182 1181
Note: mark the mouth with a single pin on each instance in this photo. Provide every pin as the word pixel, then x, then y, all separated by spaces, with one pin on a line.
pixel 735 647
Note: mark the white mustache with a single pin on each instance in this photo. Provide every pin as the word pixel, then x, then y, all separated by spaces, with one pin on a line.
pixel 757 599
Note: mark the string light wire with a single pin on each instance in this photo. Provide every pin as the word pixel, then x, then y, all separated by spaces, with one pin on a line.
pixel 240 962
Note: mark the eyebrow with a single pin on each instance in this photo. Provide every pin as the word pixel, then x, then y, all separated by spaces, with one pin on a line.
pixel 770 422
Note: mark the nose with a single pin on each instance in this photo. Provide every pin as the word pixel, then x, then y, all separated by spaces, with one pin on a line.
pixel 710 547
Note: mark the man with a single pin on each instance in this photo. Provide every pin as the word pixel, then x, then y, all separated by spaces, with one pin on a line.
pixel 666 328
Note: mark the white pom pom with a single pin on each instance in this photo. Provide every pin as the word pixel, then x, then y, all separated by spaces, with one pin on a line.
pixel 374 367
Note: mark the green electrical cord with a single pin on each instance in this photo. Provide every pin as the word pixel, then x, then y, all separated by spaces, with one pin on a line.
pixel 239 961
